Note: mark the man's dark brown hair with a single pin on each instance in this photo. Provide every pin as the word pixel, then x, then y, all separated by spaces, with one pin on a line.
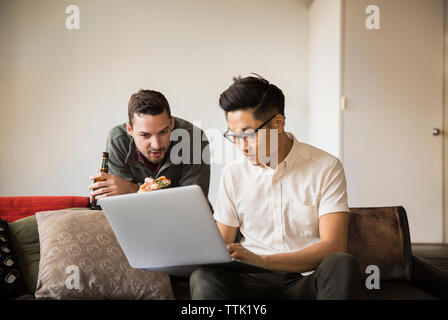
pixel 255 94
pixel 147 102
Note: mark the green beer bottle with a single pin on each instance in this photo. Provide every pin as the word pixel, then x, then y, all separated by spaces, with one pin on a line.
pixel 104 168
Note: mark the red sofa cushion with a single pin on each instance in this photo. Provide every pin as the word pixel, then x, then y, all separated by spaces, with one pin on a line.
pixel 15 208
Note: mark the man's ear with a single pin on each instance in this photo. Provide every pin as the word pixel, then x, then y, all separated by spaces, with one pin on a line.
pixel 278 123
pixel 129 129
pixel 172 122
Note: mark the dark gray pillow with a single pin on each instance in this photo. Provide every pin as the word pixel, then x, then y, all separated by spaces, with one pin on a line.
pixel 11 280
pixel 25 240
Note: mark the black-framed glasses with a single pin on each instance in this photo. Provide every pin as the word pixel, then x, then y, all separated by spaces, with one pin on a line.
pixel 247 136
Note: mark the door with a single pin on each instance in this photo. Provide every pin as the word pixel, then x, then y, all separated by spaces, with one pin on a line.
pixel 393 83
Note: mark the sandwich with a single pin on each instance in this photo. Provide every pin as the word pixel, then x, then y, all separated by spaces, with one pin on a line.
pixel 151 184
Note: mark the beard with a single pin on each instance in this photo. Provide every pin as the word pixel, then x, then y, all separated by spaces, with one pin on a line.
pixel 156 156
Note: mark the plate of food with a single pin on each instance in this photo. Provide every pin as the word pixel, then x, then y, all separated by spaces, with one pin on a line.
pixel 154 184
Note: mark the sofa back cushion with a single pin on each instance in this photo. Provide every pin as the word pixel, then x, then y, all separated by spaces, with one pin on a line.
pixel 81 259
pixel 380 236
pixel 15 208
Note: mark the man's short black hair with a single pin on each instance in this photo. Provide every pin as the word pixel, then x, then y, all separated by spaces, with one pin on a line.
pixel 147 102
pixel 253 93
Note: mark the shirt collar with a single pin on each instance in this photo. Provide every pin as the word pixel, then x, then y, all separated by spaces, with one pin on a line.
pixel 287 162
pixel 292 155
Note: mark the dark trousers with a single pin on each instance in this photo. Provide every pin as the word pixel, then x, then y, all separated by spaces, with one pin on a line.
pixel 337 277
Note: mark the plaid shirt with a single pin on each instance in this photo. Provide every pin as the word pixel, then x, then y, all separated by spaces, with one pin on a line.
pixel 154 167
pixel 125 162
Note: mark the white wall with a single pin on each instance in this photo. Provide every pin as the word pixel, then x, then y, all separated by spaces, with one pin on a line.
pixel 324 75
pixel 61 90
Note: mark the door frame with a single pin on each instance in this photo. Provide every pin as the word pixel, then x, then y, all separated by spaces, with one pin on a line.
pixel 444 129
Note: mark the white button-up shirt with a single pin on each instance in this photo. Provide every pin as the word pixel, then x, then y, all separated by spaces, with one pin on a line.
pixel 278 210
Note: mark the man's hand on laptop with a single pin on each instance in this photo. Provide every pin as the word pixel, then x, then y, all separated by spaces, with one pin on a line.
pixel 111 185
pixel 237 251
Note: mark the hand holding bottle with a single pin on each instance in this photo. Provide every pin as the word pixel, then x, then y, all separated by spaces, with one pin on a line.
pixel 106 184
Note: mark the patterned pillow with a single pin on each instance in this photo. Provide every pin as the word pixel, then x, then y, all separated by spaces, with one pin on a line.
pixel 11 283
pixel 81 259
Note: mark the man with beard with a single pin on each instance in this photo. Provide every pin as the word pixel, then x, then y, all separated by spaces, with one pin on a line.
pixel 141 148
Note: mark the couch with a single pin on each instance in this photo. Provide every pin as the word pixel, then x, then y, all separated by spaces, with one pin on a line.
pixel 377 236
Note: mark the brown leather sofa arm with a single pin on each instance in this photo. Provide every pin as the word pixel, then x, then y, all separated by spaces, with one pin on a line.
pixel 426 277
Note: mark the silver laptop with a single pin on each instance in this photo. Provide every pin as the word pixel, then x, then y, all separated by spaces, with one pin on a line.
pixel 170 230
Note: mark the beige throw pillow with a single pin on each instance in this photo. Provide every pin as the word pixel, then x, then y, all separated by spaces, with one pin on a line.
pixel 81 259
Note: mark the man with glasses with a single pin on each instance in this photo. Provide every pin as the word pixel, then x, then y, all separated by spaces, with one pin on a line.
pixel 288 200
